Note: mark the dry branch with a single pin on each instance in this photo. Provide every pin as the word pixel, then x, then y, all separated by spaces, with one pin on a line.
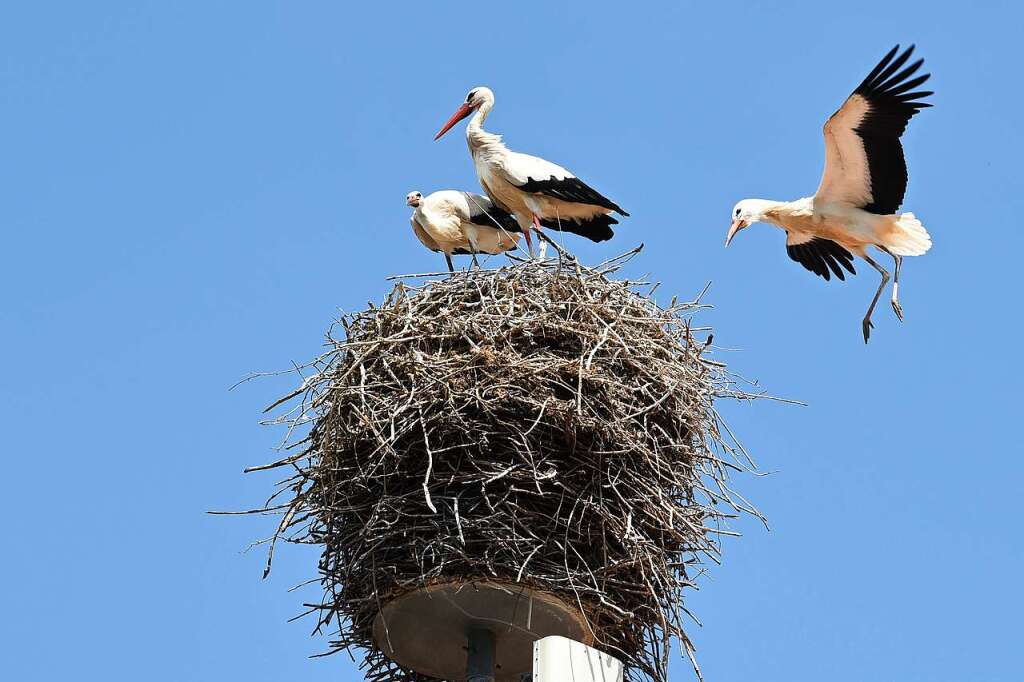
pixel 541 423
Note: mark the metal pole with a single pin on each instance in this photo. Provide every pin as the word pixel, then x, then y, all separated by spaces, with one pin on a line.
pixel 480 656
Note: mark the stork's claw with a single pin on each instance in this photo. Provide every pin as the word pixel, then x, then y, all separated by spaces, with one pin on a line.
pixel 867 325
pixel 898 309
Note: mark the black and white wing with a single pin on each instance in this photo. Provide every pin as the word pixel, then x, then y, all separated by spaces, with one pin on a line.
pixel 589 216
pixel 539 176
pixel 864 164
pixel 819 255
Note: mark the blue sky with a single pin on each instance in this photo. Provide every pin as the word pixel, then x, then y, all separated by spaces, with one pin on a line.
pixel 191 190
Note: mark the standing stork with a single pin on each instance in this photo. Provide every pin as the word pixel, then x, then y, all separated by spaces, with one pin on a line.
pixel 536 191
pixel 461 223
pixel 862 187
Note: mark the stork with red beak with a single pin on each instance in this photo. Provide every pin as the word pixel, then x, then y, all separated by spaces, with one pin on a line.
pixel 537 192
pixel 857 203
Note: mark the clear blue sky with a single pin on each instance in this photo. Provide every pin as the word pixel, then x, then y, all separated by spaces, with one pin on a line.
pixel 190 191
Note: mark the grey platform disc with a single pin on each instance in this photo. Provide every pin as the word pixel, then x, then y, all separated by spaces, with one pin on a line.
pixel 425 630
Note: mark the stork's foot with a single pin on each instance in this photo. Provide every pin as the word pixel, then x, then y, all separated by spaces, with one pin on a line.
pixel 898 309
pixel 867 326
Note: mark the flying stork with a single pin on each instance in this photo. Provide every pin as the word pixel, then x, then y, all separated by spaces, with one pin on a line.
pixel 862 187
pixel 537 192
pixel 461 223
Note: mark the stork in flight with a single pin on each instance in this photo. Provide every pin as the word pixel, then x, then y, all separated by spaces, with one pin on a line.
pixel 536 191
pixel 862 187
pixel 461 223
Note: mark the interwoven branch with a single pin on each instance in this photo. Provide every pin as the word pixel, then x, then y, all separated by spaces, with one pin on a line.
pixel 540 423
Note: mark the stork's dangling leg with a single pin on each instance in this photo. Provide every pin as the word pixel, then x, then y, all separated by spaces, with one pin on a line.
pixel 896 307
pixel 866 324
pixel 448 259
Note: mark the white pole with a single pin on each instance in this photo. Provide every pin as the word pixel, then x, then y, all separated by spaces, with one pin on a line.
pixel 557 659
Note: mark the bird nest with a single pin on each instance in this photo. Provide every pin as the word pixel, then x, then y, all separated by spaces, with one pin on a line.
pixel 543 423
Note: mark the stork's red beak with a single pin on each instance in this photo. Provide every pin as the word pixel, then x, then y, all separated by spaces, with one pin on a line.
pixel 736 226
pixel 463 111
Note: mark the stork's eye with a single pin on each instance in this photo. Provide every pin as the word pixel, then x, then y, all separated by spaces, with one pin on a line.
pixel 737 212
pixel 469 97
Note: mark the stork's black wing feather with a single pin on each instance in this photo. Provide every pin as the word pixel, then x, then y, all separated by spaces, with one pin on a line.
pixel 821 256
pixel 596 229
pixel 887 90
pixel 570 189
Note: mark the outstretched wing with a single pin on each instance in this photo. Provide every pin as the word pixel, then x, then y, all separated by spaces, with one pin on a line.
pixel 864 164
pixel 819 255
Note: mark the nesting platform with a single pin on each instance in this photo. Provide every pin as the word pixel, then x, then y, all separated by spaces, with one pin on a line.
pixel 534 447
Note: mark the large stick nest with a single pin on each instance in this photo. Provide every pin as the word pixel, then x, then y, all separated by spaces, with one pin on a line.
pixel 540 423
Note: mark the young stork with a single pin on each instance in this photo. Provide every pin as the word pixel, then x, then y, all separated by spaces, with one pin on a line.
pixel 862 187
pixel 536 191
pixel 461 223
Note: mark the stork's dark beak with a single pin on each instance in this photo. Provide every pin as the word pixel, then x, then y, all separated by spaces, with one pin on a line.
pixel 736 226
pixel 463 111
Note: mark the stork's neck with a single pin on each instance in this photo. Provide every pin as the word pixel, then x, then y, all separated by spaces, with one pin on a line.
pixel 782 213
pixel 476 136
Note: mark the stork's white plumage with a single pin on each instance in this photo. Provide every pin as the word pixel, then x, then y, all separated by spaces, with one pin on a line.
pixel 455 222
pixel 862 187
pixel 536 191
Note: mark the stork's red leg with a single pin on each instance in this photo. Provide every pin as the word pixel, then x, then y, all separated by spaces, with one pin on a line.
pixel 529 237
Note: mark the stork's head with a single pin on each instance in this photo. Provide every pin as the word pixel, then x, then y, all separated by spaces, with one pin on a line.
pixel 744 214
pixel 413 199
pixel 478 98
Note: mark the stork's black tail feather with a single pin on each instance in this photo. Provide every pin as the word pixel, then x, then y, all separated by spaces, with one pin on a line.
pixel 596 229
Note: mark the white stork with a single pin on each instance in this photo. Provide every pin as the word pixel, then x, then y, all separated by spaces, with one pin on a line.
pixel 536 191
pixel 461 223
pixel 862 187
